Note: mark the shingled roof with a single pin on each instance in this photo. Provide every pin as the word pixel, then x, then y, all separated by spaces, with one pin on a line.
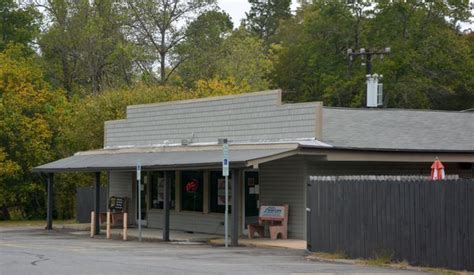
pixel 398 129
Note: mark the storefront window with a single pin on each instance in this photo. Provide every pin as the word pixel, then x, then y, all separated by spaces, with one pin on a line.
pixel 217 187
pixel 192 191
pixel 157 189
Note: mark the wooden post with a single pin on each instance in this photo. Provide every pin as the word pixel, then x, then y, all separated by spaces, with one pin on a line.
pixel 92 224
pixel 108 224
pixel 97 203
pixel 125 226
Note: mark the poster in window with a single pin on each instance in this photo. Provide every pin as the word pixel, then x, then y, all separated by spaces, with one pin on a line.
pixel 160 189
pixel 251 182
pixel 221 192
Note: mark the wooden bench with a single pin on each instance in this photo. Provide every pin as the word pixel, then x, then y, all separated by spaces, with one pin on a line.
pixel 277 219
pixel 117 206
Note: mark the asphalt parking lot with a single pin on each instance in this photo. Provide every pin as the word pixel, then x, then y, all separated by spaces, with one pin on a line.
pixel 37 251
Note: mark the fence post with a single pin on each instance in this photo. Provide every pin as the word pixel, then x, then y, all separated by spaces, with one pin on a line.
pixel 92 224
pixel 108 224
pixel 125 224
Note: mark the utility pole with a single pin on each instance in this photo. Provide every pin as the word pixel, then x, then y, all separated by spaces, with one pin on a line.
pixel 374 88
pixel 367 56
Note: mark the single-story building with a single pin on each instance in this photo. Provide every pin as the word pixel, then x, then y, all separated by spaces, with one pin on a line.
pixel 274 147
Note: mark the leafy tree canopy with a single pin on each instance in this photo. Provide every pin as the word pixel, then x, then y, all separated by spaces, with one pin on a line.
pixel 30 128
pixel 264 16
pixel 202 50
pixel 430 65
pixel 18 24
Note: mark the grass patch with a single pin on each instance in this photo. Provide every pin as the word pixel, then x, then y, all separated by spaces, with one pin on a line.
pixel 381 258
pixel 17 223
pixel 332 256
pixel 444 271
pixel 384 258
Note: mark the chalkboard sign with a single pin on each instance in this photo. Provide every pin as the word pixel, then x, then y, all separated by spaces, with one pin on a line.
pixel 117 204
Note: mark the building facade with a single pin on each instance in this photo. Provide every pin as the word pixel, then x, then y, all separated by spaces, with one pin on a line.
pixel 274 148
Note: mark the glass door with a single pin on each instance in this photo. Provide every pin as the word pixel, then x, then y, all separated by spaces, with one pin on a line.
pixel 252 194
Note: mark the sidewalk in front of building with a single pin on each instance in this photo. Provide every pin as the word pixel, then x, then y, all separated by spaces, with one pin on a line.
pixel 266 243
pixel 152 234
pixel 148 234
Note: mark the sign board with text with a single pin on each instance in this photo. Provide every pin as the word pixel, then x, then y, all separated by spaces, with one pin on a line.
pixel 139 170
pixel 272 213
pixel 225 160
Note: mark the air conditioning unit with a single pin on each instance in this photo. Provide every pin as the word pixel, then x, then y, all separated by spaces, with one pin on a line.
pixel 374 91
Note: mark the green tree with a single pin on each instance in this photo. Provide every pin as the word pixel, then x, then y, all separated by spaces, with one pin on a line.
pixel 264 17
pixel 311 58
pixel 202 49
pixel 157 27
pixel 30 128
pixel 84 48
pixel 8 171
pixel 430 65
pixel 213 52
pixel 245 61
pixel 17 24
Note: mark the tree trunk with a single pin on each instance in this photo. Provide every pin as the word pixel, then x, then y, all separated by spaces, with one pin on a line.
pixel 162 68
pixel 163 56
pixel 66 74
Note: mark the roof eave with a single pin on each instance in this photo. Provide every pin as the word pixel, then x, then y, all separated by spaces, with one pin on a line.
pixel 213 165
pixel 408 150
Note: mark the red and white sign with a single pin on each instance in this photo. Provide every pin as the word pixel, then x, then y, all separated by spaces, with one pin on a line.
pixel 192 186
pixel 437 170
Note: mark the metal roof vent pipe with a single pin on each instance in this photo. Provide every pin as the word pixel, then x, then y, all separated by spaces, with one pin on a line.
pixel 374 90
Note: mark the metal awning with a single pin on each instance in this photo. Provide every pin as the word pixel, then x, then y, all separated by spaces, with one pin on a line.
pixel 126 159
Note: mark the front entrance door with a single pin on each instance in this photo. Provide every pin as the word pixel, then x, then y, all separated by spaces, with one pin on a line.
pixel 252 194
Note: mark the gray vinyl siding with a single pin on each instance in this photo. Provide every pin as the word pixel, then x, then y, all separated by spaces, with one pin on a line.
pixel 283 182
pixel 212 223
pixel 248 117
pixel 121 185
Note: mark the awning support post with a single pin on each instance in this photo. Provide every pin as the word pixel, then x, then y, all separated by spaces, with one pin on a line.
pixel 97 203
pixel 235 207
pixel 49 211
pixel 166 208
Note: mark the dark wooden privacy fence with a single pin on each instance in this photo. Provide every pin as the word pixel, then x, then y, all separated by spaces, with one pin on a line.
pixel 423 222
pixel 85 203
